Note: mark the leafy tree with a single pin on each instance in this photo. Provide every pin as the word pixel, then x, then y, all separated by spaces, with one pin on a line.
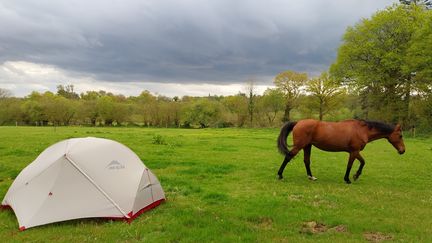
pixel 237 105
pixel 326 92
pixel 372 58
pixel 290 83
pixel 10 110
pixel 86 112
pixel 33 109
pixel 146 107
pixel 420 55
pixel 174 108
pixel 106 109
pixel 203 112
pixel 271 103
pixel 58 109
pixel 92 95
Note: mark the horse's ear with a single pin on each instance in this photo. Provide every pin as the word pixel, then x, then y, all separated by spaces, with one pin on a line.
pixel 398 127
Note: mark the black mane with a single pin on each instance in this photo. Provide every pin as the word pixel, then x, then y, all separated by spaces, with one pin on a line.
pixel 380 126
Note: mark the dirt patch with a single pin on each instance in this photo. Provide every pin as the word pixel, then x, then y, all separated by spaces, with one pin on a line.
pixel 339 229
pixel 265 223
pixel 377 236
pixel 295 197
pixel 313 227
pixel 323 203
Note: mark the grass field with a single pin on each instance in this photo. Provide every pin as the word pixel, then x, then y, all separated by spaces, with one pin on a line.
pixel 221 186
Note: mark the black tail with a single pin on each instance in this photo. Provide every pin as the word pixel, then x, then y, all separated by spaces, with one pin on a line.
pixel 281 141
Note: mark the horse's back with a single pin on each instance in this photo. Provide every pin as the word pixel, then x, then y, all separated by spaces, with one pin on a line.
pixel 330 136
pixel 305 127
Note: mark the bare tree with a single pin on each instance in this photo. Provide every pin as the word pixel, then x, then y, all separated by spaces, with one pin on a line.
pixel 4 93
pixel 425 3
pixel 251 93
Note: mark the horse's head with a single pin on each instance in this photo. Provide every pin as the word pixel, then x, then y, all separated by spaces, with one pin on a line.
pixel 395 138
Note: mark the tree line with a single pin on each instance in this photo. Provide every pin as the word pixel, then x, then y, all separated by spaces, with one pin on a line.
pixel 101 108
pixel 383 71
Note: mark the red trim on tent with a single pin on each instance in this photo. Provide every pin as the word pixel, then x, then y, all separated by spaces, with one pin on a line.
pixel 5 207
pixel 147 208
pixel 141 211
pixel 130 214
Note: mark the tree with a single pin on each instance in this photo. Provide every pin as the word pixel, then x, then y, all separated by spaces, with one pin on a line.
pixel 10 110
pixel 372 58
pixel 33 109
pixel 420 55
pixel 250 91
pixel 290 84
pixel 106 109
pixel 271 103
pixel 424 3
pixel 58 109
pixel 146 103
pixel 4 93
pixel 203 112
pixel 237 105
pixel 326 91
pixel 67 91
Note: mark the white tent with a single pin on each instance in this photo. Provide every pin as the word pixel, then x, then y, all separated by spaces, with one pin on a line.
pixel 83 178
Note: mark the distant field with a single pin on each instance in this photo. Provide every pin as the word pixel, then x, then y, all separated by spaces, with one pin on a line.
pixel 221 186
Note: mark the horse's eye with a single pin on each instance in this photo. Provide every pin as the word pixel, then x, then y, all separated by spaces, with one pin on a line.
pixel 400 136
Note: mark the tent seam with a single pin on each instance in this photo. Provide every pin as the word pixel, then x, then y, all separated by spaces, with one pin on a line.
pixel 151 184
pixel 96 185
pixel 137 190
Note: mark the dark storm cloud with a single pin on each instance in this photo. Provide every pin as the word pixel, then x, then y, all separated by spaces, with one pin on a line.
pixel 220 41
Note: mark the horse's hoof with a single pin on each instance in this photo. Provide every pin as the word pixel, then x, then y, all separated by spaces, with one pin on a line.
pixel 312 178
pixel 355 177
pixel 348 181
pixel 280 177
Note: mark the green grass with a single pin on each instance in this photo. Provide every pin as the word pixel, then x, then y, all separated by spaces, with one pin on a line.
pixel 221 186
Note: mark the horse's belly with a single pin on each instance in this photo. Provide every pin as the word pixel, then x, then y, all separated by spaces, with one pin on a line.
pixel 331 147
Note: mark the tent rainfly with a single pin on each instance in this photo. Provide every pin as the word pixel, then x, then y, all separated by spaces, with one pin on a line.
pixel 83 178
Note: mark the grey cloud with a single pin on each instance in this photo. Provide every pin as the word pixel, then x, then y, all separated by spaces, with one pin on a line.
pixel 186 41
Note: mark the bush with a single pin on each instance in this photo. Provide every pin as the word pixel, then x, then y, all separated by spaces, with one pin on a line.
pixel 158 139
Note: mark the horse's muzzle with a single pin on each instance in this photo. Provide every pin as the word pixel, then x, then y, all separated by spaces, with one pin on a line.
pixel 401 151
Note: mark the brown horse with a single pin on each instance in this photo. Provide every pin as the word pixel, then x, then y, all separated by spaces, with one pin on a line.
pixel 350 136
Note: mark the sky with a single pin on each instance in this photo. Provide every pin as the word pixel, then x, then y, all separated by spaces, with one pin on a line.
pixel 169 47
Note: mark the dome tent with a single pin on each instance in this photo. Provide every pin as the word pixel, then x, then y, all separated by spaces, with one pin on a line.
pixel 83 178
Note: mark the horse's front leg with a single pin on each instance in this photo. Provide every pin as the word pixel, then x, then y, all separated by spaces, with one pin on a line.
pixel 351 159
pixel 359 171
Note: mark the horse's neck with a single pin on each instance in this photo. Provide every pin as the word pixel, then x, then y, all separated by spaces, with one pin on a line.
pixel 375 134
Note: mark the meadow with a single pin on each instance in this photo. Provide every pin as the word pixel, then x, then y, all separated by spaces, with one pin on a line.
pixel 221 186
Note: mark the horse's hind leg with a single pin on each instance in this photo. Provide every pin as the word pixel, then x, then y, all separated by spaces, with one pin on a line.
pixel 284 163
pixel 359 171
pixel 287 159
pixel 306 160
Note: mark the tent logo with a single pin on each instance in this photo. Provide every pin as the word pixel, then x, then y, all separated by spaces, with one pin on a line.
pixel 115 165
